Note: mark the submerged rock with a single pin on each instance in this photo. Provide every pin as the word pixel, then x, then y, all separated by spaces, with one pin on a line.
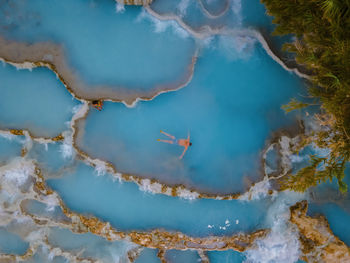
pixel 135 2
pixel 319 244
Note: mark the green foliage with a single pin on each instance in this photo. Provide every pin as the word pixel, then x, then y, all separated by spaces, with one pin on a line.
pixel 294 105
pixel 322 45
pixel 319 170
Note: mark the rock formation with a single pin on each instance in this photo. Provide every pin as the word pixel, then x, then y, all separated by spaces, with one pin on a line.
pixel 318 243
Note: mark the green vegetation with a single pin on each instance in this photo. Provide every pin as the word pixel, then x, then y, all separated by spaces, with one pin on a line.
pixel 322 46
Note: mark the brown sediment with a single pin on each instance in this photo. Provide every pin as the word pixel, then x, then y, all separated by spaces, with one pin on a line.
pixel 16 132
pixel 39 184
pixel 133 254
pixel 161 255
pixel 24 132
pixel 52 56
pixel 58 138
pixel 176 240
pixel 24 151
pixel 318 242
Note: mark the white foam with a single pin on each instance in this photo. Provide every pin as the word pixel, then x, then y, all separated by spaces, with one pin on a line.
pixel 187 194
pixel 17 171
pixel 161 26
pixel 148 186
pixel 237 47
pixel 37 235
pixel 7 135
pixel 183 5
pixel 295 158
pixel 282 243
pixel 51 202
pixel 66 148
pixel 79 110
pixel 236 8
pixel 100 167
pixel 257 191
pixel 119 8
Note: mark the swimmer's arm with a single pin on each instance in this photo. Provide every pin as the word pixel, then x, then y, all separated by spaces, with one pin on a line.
pixel 183 153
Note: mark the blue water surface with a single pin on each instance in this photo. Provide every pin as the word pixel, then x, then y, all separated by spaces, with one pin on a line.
pixel 229 256
pixel 9 148
pixel 179 256
pixel 11 243
pixel 128 208
pixel 35 100
pixel 148 256
pixel 229 115
pixel 101 45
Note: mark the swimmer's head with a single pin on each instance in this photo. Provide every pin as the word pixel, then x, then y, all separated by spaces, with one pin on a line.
pixel 190 143
pixel 95 102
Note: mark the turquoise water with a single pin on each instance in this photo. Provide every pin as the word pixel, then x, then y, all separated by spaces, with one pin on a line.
pixel 50 157
pixel 124 204
pixel 40 209
pixel 178 256
pixel 94 246
pixel 225 257
pixel 227 133
pixel 48 105
pixel 148 256
pixel 11 243
pixel 43 256
pixel 130 50
pixel 9 148
pixel 238 14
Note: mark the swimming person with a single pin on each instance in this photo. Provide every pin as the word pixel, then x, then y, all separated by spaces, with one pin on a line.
pixel 182 142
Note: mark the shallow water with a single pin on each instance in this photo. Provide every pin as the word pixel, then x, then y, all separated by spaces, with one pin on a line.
pixel 43 256
pixel 50 157
pixel 148 256
pixel 11 243
pixel 128 208
pixel 9 148
pixel 178 256
pixel 94 246
pixel 227 133
pixel 130 51
pixel 225 257
pixel 48 105
pixel 34 207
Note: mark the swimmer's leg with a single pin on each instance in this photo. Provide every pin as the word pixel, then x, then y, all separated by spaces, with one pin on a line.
pixel 167 134
pixel 166 141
